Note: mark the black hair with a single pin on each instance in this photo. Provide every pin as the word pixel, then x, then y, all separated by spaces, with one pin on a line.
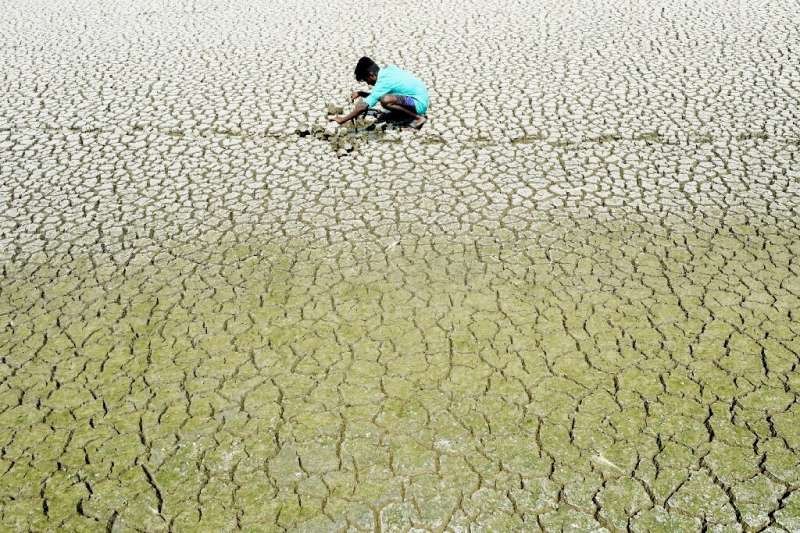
pixel 364 67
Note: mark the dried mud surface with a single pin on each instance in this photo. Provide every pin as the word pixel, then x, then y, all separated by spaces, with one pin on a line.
pixel 569 303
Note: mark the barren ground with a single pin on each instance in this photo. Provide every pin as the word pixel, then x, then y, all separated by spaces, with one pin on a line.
pixel 571 301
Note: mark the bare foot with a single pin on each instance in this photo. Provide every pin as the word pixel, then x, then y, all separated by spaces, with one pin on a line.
pixel 417 124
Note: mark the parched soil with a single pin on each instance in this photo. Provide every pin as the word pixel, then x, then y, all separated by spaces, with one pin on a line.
pixel 570 302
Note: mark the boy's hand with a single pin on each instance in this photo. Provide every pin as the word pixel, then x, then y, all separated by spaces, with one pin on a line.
pixel 354 95
pixel 359 108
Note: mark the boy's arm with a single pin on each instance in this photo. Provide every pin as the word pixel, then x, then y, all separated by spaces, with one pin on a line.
pixel 381 88
pixel 359 108
pixel 371 100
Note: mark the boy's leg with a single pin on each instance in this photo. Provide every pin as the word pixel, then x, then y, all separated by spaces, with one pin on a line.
pixel 405 106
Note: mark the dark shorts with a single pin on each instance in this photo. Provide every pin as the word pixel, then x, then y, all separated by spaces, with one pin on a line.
pixel 407 101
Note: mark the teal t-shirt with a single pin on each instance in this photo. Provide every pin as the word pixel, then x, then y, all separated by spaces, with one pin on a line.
pixel 394 80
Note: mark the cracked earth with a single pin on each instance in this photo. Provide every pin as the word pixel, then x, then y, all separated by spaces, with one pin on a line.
pixel 571 302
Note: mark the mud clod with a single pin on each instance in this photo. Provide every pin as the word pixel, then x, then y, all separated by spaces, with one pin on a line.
pixel 333 109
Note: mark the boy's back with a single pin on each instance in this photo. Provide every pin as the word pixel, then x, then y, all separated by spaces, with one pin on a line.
pixel 394 80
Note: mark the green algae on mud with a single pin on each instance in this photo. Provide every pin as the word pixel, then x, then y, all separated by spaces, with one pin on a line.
pixel 345 369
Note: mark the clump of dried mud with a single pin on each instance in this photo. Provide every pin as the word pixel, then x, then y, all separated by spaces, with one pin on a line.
pixel 334 109
pixel 346 138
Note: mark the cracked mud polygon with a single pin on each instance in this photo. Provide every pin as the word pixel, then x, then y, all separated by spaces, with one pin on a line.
pixel 570 302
